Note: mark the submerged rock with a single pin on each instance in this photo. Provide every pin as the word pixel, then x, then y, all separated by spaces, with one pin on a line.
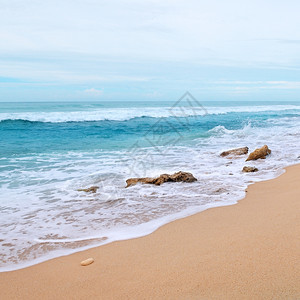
pixel 220 191
pixel 92 189
pixel 237 151
pixel 250 169
pixel 176 177
pixel 259 153
pixel 87 262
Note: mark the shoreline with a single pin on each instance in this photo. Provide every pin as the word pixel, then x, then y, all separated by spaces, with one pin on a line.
pixel 177 261
pixel 172 218
pixel 166 220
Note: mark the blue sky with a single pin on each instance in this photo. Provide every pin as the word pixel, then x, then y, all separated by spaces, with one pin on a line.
pixel 137 50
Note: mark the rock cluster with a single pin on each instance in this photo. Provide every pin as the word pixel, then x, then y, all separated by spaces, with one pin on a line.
pixel 176 177
pixel 188 177
pixel 262 153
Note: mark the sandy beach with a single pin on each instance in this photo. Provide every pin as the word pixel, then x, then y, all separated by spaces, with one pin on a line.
pixel 250 250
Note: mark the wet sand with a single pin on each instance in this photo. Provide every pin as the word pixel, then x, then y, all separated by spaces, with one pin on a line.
pixel 250 250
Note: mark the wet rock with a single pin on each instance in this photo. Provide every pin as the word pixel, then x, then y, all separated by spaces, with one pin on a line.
pixel 134 181
pixel 87 262
pixel 249 169
pixel 237 151
pixel 92 189
pixel 259 153
pixel 176 177
pixel 220 191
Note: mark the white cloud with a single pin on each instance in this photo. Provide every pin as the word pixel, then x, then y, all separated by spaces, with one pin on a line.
pixel 94 92
pixel 289 85
pixel 257 85
pixel 154 95
pixel 247 31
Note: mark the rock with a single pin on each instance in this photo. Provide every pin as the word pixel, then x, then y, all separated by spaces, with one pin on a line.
pixel 87 262
pixel 238 151
pixel 250 169
pixel 134 181
pixel 176 177
pixel 220 191
pixel 92 189
pixel 259 153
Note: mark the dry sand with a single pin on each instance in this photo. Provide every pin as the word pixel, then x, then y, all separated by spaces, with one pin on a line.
pixel 250 250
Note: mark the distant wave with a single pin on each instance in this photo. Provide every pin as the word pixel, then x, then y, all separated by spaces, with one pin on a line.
pixel 123 114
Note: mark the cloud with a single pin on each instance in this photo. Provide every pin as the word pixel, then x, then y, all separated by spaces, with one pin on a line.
pixel 243 86
pixel 134 47
pixel 94 92
pixel 157 30
pixel 288 85
pixel 153 95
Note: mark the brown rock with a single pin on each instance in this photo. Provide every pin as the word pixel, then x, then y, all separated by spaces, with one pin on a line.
pixel 250 169
pixel 259 153
pixel 92 189
pixel 220 191
pixel 134 181
pixel 238 151
pixel 176 177
pixel 87 262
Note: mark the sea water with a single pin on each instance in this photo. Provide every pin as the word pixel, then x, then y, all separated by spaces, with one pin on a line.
pixel 50 150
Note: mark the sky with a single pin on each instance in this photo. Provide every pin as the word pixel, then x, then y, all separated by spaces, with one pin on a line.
pixel 86 50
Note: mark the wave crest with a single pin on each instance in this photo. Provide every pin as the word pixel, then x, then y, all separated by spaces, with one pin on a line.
pixel 124 114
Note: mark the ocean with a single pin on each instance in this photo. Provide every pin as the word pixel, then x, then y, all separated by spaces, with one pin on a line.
pixel 50 150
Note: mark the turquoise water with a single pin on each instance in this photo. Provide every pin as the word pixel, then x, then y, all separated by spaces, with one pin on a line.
pixel 41 125
pixel 50 150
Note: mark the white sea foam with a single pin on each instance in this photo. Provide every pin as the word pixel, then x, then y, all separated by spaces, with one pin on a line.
pixel 123 114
